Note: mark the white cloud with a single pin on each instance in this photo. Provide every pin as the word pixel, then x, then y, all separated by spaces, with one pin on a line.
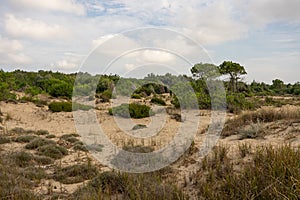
pixel 36 29
pixel 102 39
pixel 67 6
pixel 157 56
pixel 11 52
pixel 71 61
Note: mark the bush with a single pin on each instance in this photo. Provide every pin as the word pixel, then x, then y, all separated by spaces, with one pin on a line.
pixel 25 138
pixel 52 151
pixel 133 110
pixel 38 142
pixel 4 139
pixel 139 126
pixel 22 159
pixel 75 174
pixel 60 106
pixel 42 132
pixel 106 96
pixel 136 96
pixel 158 101
pixel 70 137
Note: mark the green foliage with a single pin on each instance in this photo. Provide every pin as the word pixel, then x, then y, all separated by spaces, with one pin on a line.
pixel 38 142
pixel 133 110
pixel 106 95
pixel 136 96
pixel 67 107
pixel 25 138
pixel 139 126
pixel 205 71
pixel 60 107
pixel 158 101
pixel 234 70
pixel 53 151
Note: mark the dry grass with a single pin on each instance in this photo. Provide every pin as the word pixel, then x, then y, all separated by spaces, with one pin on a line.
pixel 273 173
pixel 265 114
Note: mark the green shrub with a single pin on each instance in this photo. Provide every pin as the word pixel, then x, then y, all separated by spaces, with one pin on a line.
pixel 75 174
pixel 22 159
pixel 133 110
pixel 25 138
pixel 106 96
pixel 136 96
pixel 38 142
pixel 158 101
pixel 79 146
pixel 50 136
pixel 43 160
pixel 139 126
pixel 53 151
pixel 4 139
pixel 42 132
pixel 70 137
pixel 60 106
pixel 33 173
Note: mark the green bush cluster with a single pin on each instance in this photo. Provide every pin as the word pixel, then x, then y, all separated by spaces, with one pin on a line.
pixel 133 110
pixel 67 107
pixel 158 101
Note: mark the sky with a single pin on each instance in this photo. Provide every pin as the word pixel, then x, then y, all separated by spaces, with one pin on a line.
pixel 64 35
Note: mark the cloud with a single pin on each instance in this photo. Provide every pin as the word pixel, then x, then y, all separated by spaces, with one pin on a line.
pixel 30 28
pixel 71 61
pixel 67 6
pixel 102 39
pixel 11 52
pixel 157 56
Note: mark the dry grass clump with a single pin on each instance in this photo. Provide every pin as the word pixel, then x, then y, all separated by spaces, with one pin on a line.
pixel 13 184
pixel 111 185
pixel 75 173
pixel 273 173
pixel 265 114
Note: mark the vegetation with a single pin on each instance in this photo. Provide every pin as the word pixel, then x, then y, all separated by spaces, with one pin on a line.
pixel 133 110
pixel 273 173
pixel 75 173
pixel 67 107
pixel 158 101
pixel 128 186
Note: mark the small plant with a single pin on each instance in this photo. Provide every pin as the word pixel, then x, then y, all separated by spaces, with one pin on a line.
pixel 52 150
pixel 39 142
pixel 4 139
pixel 252 131
pixel 22 159
pixel 43 160
pixel 72 138
pixel 158 101
pixel 60 107
pixel 50 136
pixel 18 130
pixel 42 132
pixel 25 138
pixel 139 126
pixel 79 146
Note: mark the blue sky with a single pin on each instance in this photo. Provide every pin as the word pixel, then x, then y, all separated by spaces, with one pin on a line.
pixel 262 35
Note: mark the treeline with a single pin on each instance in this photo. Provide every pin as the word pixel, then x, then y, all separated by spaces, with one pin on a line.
pixel 238 93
